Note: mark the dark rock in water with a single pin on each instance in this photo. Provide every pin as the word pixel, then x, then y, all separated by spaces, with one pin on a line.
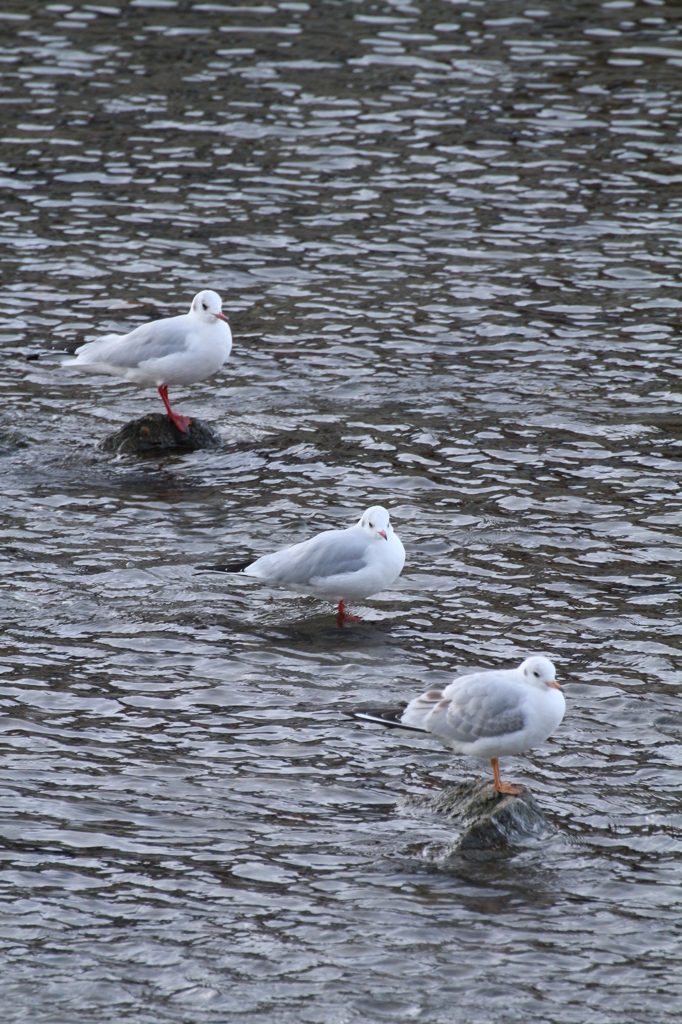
pixel 157 432
pixel 10 441
pixel 488 819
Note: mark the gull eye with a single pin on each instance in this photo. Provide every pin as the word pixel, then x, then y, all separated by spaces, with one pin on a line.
pixel 204 306
pixel 536 674
pixel 371 526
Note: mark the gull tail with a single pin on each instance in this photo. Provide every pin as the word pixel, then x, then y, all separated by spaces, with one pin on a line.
pixel 390 717
pixel 232 567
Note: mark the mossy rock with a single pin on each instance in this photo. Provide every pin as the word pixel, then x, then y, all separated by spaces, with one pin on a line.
pixel 488 819
pixel 156 432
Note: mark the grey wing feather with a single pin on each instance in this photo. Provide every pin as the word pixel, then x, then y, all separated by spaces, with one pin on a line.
pixel 479 710
pixel 154 340
pixel 332 553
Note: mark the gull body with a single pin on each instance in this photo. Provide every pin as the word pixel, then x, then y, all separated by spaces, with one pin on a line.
pixel 487 714
pixel 339 565
pixel 177 350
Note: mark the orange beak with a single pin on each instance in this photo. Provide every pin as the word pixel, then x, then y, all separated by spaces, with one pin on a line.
pixel 555 685
pixel 382 533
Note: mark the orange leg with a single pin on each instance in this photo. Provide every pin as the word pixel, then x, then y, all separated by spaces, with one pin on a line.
pixel 345 616
pixel 500 786
pixel 181 422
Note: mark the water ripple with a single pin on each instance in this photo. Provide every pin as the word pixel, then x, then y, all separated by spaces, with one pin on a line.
pixel 448 242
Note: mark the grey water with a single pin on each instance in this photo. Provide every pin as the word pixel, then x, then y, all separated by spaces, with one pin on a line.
pixel 448 240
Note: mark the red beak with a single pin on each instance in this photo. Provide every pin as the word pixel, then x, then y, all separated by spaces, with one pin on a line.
pixel 382 533
pixel 221 316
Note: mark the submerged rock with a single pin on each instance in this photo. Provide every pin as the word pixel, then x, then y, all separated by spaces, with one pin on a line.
pixel 488 819
pixel 157 432
pixel 10 440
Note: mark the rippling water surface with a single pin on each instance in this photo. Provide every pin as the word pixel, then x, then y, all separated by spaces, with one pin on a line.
pixel 448 239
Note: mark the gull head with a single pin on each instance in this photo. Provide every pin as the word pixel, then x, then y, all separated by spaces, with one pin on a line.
pixel 208 306
pixel 539 672
pixel 376 522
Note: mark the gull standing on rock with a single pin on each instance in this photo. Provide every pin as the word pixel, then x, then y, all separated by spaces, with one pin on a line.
pixel 340 565
pixel 177 350
pixel 487 714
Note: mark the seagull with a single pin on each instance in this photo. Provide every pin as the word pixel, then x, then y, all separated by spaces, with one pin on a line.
pixel 486 714
pixel 339 565
pixel 177 350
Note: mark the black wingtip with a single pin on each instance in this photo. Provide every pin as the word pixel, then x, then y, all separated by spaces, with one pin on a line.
pixel 232 567
pixel 389 717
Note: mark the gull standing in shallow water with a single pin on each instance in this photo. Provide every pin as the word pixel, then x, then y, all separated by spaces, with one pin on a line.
pixel 177 350
pixel 340 565
pixel 486 714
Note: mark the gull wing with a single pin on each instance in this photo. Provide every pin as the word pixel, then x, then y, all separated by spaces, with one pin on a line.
pixel 479 706
pixel 482 707
pixel 155 340
pixel 332 553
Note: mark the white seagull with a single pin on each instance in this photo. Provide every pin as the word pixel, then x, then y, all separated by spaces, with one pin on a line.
pixel 340 565
pixel 486 714
pixel 177 350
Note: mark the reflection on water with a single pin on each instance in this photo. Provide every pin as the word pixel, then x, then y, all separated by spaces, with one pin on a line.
pixel 447 238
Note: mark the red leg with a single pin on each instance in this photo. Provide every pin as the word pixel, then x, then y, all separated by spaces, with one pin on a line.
pixel 181 422
pixel 500 786
pixel 345 616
